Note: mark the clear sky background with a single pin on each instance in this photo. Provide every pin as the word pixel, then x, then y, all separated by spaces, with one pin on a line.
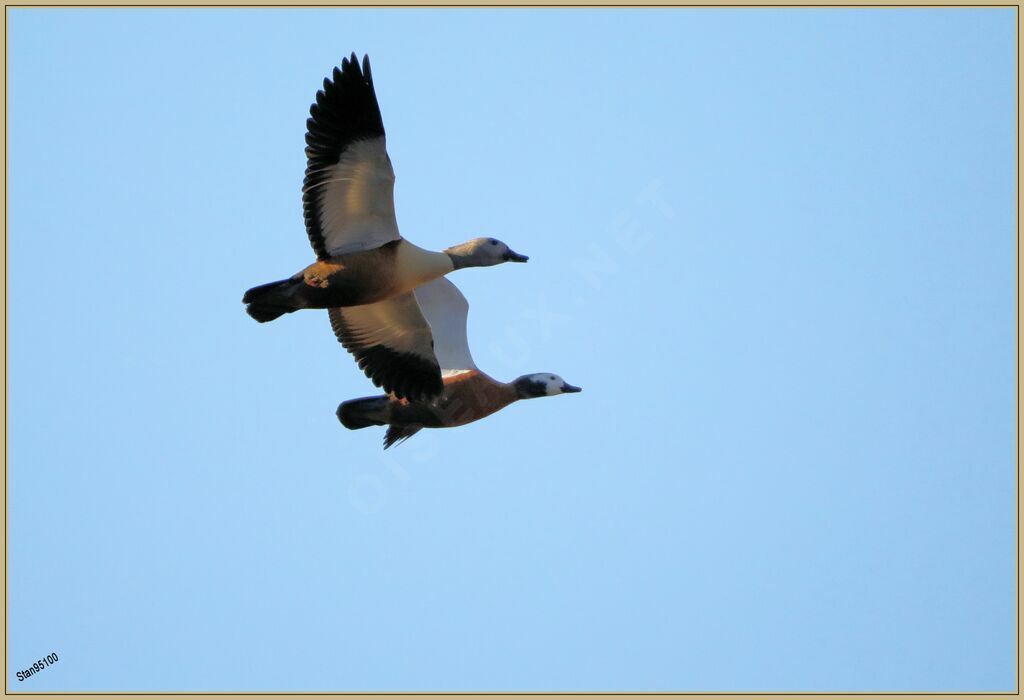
pixel 775 247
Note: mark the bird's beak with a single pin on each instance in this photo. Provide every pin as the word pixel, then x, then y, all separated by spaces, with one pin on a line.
pixel 513 256
pixel 570 389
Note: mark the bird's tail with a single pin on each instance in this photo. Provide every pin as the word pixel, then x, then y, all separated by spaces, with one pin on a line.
pixel 397 434
pixel 362 413
pixel 268 301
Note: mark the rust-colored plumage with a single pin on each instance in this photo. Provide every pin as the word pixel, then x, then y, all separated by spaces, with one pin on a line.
pixel 468 394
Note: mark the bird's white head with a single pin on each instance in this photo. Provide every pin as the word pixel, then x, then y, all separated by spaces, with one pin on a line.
pixel 533 386
pixel 483 252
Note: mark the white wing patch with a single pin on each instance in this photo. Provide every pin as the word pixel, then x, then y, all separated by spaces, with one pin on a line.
pixel 391 341
pixel 447 311
pixel 395 323
pixel 355 202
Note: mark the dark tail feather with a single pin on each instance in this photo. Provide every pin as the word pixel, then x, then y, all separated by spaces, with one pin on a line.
pixel 399 433
pixel 268 301
pixel 362 413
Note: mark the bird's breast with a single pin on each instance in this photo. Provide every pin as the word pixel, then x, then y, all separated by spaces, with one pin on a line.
pixel 471 396
pixel 374 275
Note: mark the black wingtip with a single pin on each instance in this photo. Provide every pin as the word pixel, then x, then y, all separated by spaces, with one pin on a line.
pixel 344 111
pixel 350 66
pixel 403 374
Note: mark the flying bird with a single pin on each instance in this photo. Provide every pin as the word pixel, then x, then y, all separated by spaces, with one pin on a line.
pixel 364 270
pixel 469 394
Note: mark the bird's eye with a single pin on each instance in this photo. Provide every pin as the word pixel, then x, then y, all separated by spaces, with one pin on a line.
pixel 552 378
pixel 494 242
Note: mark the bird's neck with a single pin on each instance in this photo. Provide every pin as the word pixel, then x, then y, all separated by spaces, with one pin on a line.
pixel 416 266
pixel 461 256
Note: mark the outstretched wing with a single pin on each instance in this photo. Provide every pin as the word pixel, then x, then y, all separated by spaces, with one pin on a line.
pixel 392 344
pixel 348 192
pixel 447 311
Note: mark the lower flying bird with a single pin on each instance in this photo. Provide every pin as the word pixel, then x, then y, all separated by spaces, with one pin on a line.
pixel 469 394
pixel 348 201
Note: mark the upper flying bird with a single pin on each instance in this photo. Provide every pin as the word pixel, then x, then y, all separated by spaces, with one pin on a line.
pixel 348 202
pixel 469 394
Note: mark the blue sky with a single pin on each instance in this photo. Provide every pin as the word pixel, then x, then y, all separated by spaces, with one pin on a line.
pixel 775 247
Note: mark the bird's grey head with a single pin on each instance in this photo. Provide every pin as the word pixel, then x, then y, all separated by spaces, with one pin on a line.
pixel 483 252
pixel 532 386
